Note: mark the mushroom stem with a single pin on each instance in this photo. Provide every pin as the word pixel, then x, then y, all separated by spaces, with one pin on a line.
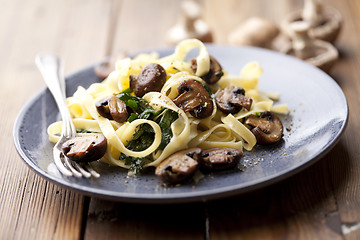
pixel 189 25
pixel 303 46
pixel 190 13
pixel 325 21
pixel 316 52
pixel 312 12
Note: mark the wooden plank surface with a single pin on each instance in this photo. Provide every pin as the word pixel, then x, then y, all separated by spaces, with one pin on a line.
pixel 30 206
pixel 111 220
pixel 319 203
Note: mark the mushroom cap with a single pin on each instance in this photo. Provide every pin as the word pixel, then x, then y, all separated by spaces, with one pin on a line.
pixel 255 31
pixel 150 79
pixel 232 99
pixel 324 58
pixel 267 128
pixel 327 31
pixel 102 107
pixel 316 52
pixel 215 71
pixel 194 98
pixel 179 166
pixel 104 68
pixel 118 110
pixel 217 159
pixel 85 148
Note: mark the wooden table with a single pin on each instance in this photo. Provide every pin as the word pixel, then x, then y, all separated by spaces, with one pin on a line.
pixel 322 202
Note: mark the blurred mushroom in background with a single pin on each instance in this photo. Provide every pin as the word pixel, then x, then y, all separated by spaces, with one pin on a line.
pixel 324 21
pixel 255 31
pixel 189 25
pixel 104 68
pixel 319 53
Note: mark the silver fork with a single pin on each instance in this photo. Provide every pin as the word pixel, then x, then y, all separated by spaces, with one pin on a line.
pixel 51 68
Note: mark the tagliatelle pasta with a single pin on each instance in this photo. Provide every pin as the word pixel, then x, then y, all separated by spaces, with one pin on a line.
pixel 185 130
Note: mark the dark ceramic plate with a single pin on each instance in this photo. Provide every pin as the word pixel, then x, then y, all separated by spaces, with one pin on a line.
pixel 319 116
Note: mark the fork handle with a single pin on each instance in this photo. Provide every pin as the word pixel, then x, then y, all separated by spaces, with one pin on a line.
pixel 51 68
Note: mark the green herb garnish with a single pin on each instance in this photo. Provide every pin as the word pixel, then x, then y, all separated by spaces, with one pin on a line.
pixel 144 136
pixel 135 103
pixel 83 131
pixel 165 122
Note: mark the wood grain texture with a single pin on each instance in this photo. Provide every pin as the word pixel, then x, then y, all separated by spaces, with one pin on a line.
pixel 142 25
pixel 110 220
pixel 302 207
pixel 30 206
pixel 319 203
pixel 344 166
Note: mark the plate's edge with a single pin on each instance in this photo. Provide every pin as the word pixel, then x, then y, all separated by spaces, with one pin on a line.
pixel 181 197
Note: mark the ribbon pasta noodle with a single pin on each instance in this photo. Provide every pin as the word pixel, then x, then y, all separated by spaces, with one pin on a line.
pixel 217 130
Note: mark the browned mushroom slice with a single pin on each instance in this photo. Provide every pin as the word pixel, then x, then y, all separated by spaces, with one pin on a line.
pixel 194 98
pixel 112 108
pixel 85 148
pixel 267 128
pixel 216 159
pixel 215 72
pixel 102 107
pixel 151 79
pixel 231 99
pixel 179 166
pixel 118 110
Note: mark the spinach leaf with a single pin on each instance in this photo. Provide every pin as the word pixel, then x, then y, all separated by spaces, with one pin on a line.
pixel 135 103
pixel 142 139
pixel 132 117
pixel 144 136
pixel 150 113
pixel 82 131
pixel 129 90
pixel 136 163
pixel 165 122
pixel 141 108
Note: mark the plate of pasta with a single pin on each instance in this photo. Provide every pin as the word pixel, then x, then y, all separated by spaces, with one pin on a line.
pixel 188 123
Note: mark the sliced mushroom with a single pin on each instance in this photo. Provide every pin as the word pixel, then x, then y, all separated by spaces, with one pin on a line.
pixel 118 110
pixel 112 108
pixel 194 98
pixel 85 148
pixel 102 107
pixel 216 159
pixel 267 128
pixel 231 99
pixel 151 79
pixel 215 72
pixel 179 166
